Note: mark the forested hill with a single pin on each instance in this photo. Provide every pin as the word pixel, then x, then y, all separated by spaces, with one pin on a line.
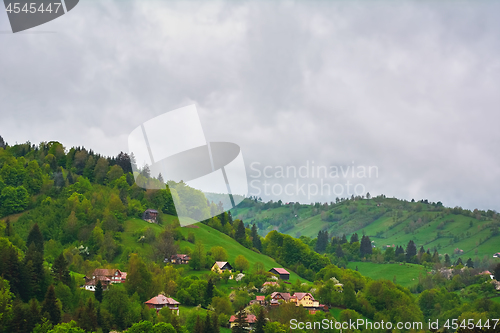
pixel 66 212
pixel 386 221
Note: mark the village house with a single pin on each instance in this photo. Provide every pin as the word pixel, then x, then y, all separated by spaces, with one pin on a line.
pixel 150 215
pixel 281 272
pixel 106 276
pixel 261 300
pixel 278 297
pixel 180 259
pixel 161 301
pixel 496 255
pixel 304 299
pixel 250 319
pixel 221 266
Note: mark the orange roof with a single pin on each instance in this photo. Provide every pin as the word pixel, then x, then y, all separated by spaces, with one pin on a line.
pixel 260 298
pixel 162 300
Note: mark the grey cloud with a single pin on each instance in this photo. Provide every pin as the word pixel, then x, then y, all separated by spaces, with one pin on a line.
pixel 409 87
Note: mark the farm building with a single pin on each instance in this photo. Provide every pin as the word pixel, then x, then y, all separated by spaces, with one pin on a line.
pixel 179 259
pixel 161 301
pixel 107 277
pixel 221 266
pixel 281 272
pixel 150 215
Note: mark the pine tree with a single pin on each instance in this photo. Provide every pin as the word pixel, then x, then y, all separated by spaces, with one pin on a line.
pixel 35 236
pixel 50 306
pixel 411 251
pixel 241 322
pixel 354 238
pixel 459 262
pixel 34 271
pixel 8 228
pixel 198 327
pixel 344 239
pixel 209 292
pixel 60 270
pixel 215 323
pixel 321 241
pixel 240 232
pixel 365 247
pixel 469 263
pixel 261 321
pixel 98 294
pixel 447 260
pixel 208 324
pixel 339 253
pixel 256 242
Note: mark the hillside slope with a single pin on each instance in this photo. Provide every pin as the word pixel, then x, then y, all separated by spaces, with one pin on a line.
pixel 386 221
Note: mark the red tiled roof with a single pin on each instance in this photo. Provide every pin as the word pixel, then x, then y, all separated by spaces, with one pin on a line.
pixel 162 300
pixel 106 272
pixel 300 296
pixel 285 296
pixel 260 298
pixel 281 270
pixel 249 318
pixel 270 283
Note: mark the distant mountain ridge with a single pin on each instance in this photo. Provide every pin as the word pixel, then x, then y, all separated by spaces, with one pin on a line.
pixel 387 221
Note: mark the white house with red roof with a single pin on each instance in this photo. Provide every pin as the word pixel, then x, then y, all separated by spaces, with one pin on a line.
pixel 106 276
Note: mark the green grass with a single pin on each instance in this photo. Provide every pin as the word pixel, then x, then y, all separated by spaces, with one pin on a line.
pixel 378 222
pixel 496 299
pixel 406 274
pixel 211 237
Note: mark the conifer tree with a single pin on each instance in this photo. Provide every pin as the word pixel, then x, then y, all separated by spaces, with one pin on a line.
pixel 447 260
pixel 365 247
pixel 261 321
pixel 208 324
pixel 198 326
pixel 50 306
pixel 469 263
pixel 354 238
pixel 35 236
pixel 241 322
pixel 344 239
pixel 60 270
pixel 256 242
pixel 339 252
pixel 240 232
pixel 215 323
pixel 411 251
pixel 98 294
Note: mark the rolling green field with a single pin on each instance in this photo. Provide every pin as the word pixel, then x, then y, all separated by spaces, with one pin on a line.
pixel 386 221
pixel 406 274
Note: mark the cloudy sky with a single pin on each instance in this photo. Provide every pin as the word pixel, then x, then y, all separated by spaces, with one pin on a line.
pixel 410 88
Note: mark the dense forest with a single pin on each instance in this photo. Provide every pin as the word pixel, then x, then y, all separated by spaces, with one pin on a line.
pixel 66 212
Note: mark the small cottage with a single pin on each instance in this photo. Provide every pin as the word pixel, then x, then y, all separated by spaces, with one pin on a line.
pixel 150 215
pixel 221 266
pixel 281 272
pixel 161 301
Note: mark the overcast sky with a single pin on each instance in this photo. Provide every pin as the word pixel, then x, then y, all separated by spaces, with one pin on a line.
pixel 410 88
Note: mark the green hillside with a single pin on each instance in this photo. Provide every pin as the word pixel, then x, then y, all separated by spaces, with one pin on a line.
pixel 386 221
pixel 406 274
pixel 211 237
